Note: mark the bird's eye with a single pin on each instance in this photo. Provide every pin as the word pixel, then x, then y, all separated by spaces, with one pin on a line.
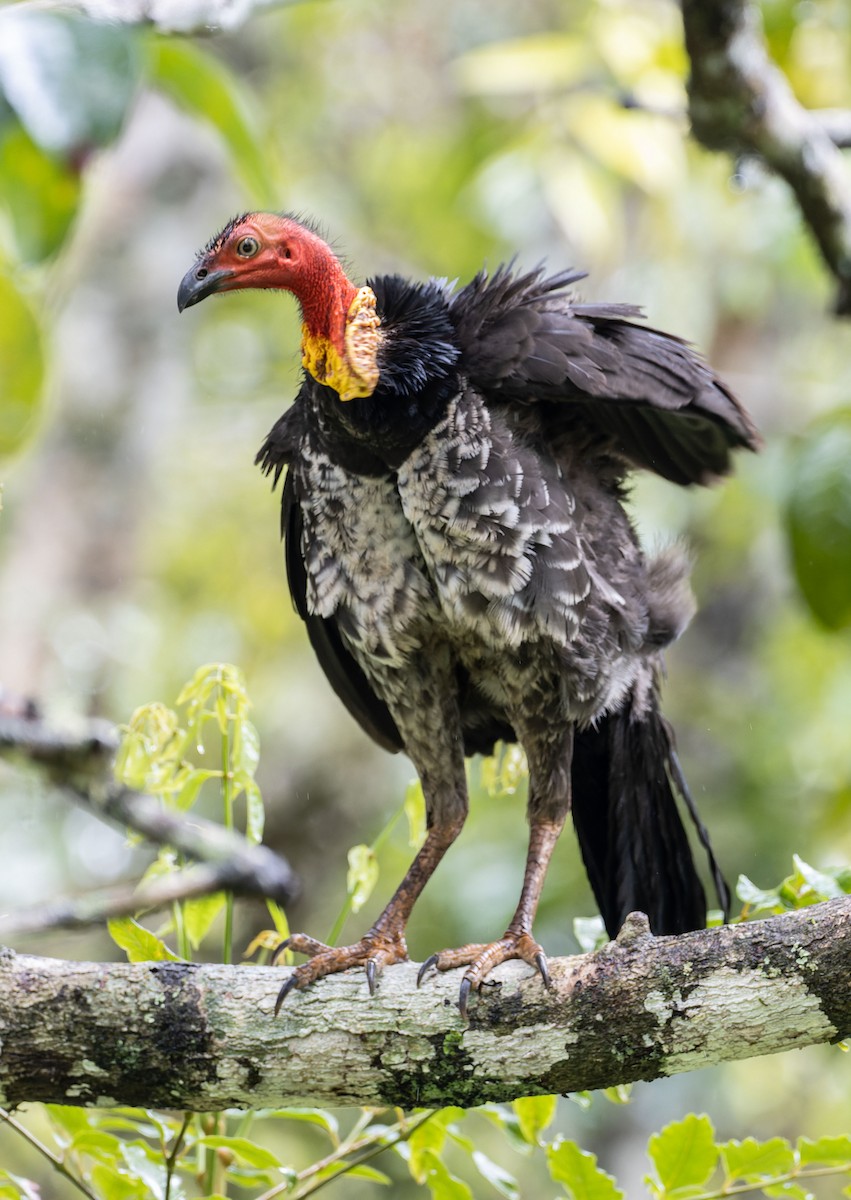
pixel 247 247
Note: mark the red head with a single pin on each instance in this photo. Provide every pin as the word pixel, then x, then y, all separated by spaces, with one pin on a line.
pixel 267 250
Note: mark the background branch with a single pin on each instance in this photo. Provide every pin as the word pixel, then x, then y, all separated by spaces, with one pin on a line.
pixel 739 101
pixel 79 763
pixel 175 1035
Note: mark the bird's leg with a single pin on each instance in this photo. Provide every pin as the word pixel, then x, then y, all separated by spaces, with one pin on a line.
pixel 435 747
pixel 384 943
pixel 548 807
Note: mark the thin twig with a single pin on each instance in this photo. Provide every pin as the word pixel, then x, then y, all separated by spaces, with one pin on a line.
pixel 53 1159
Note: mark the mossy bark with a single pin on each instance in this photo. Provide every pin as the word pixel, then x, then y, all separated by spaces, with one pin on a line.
pixel 174 1035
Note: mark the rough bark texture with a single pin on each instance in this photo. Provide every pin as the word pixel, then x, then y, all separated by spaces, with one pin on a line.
pixel 175 1035
pixel 739 101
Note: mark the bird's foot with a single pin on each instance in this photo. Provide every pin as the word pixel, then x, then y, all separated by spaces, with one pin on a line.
pixel 376 950
pixel 481 958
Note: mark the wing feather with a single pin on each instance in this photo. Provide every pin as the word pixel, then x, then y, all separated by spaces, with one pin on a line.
pixel 525 338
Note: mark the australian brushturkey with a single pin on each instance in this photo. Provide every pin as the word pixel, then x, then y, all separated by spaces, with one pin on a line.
pixel 458 548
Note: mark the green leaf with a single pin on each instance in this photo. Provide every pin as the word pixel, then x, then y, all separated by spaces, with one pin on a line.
pixel 828 1150
pixel 314 1116
pixel 788 1191
pixel 441 1184
pixel 823 885
pixel 18 1188
pixel 41 195
pixel 70 79
pixel 535 1114
pixel 199 914
pixel 255 814
pixel 72 1120
pixel 97 1144
pixel 504 1183
pixel 416 813
pixel 362 1171
pixel 818 519
pixel 279 918
pixel 138 943
pixel 750 1160
pixel 579 1174
pixel 114 1181
pixel 362 875
pixel 761 899
pixel 243 1149
pixel 506 1119
pixel 247 745
pixel 204 87
pixel 21 367
pixel 191 781
pixel 684 1153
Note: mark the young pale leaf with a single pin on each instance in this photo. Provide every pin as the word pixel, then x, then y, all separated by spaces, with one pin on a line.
pixel 199 914
pixel 535 1114
pixel 749 1160
pixel 255 814
pixel 314 1116
pixel 441 1184
pixel 416 814
pixel 684 1153
pixel 504 1183
pixel 279 917
pixel 364 1172
pixel 247 747
pixel 243 1149
pixel 788 1191
pixel 97 1144
pixel 828 1150
pixel 427 1140
pixel 823 884
pixel 114 1181
pixel 362 875
pixel 577 1171
pixel 138 943
pixel 18 1188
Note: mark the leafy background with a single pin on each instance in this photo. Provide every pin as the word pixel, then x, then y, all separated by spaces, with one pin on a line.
pixel 137 540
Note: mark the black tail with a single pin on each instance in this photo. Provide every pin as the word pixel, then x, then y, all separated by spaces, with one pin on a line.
pixel 626 781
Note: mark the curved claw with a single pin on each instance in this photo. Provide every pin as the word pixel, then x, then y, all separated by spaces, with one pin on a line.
pixel 279 950
pixel 427 965
pixel 370 975
pixel 541 963
pixel 463 996
pixel 286 988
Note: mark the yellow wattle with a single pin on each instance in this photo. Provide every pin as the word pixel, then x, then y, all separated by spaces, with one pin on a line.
pixel 354 372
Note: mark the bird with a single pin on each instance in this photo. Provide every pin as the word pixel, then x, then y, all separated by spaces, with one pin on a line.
pixel 457 545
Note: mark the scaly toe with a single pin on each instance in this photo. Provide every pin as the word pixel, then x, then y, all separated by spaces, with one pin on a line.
pixel 373 952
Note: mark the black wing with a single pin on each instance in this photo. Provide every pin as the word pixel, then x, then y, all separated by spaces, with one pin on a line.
pixel 656 402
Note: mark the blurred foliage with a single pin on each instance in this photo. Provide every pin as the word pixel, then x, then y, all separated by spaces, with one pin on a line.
pixel 137 540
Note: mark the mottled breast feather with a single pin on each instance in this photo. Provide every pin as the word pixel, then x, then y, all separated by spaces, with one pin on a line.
pixel 362 560
pixel 496 529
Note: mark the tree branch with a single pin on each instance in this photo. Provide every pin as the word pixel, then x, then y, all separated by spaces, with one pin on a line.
pixel 174 1035
pixel 739 101
pixel 80 765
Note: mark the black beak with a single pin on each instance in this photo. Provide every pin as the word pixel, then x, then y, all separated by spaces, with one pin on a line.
pixel 198 283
